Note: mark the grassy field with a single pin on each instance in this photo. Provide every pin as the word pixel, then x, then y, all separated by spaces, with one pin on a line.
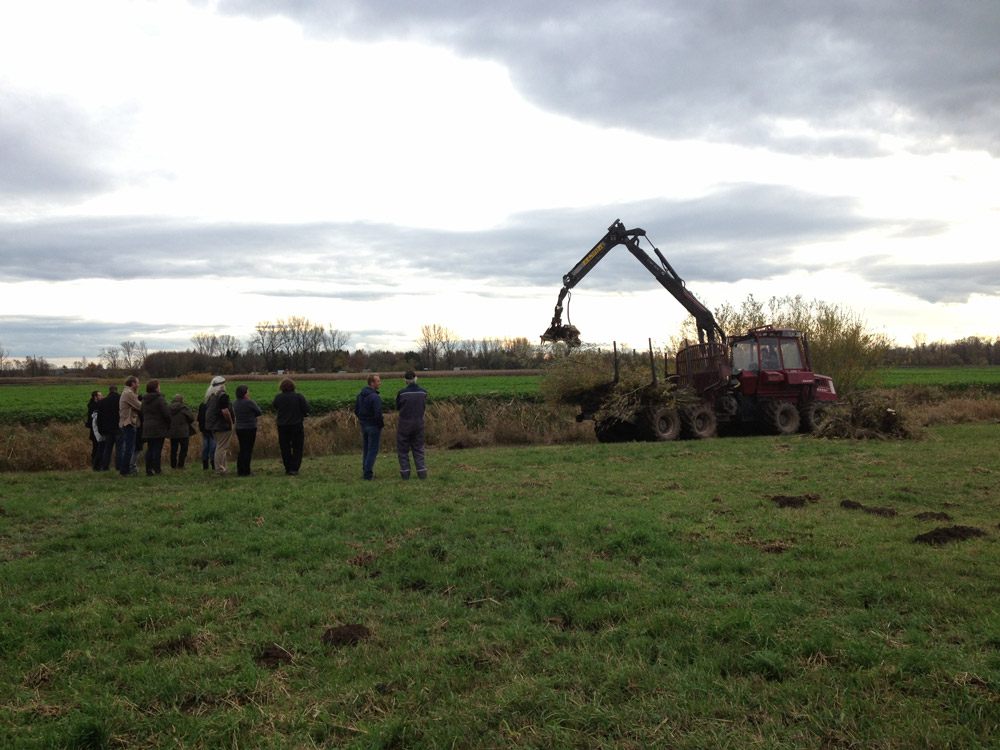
pixel 940 377
pixel 685 595
pixel 37 404
pixel 54 402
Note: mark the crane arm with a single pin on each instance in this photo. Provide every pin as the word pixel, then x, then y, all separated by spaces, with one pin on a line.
pixel 663 272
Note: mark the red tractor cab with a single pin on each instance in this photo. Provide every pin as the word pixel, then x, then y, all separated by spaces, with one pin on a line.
pixel 765 377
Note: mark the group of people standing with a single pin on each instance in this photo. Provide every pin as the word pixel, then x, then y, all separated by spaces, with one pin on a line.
pixel 121 424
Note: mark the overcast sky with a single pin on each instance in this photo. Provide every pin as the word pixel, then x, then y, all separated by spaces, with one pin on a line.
pixel 169 168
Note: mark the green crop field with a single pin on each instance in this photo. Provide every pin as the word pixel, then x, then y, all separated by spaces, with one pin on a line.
pixel 757 592
pixel 951 378
pixel 35 404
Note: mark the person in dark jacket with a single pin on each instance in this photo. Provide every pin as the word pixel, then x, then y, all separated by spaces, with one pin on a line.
pixel 411 402
pixel 107 423
pixel 181 430
pixel 247 412
pixel 155 426
pixel 96 441
pixel 292 409
pixel 207 439
pixel 368 408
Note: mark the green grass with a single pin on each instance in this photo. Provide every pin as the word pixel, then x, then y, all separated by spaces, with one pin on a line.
pixel 37 404
pixel 949 378
pixel 631 595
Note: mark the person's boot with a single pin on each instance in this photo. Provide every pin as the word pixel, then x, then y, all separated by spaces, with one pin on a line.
pixel 204 465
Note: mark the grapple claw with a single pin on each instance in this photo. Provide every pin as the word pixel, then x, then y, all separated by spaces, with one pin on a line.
pixel 569 334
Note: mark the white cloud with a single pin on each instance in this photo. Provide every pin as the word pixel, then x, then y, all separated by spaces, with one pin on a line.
pixel 449 163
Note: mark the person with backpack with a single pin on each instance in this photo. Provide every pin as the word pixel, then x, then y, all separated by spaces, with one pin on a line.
pixel 96 440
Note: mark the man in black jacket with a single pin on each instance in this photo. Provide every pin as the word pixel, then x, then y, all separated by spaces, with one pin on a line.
pixel 107 424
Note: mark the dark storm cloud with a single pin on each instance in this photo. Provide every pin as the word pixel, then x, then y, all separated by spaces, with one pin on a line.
pixel 723 69
pixel 947 282
pixel 738 232
pixel 48 148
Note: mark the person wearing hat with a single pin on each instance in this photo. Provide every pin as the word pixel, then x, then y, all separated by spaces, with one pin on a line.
pixel 219 420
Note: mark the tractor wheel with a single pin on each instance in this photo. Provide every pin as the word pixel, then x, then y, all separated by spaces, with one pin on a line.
pixel 781 417
pixel 811 415
pixel 699 422
pixel 662 424
pixel 614 431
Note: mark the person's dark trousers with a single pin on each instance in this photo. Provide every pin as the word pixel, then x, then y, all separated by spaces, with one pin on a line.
pixel 154 454
pixel 246 439
pixel 125 449
pixel 110 440
pixel 371 436
pixel 96 451
pixel 178 452
pixel 291 439
pixel 410 439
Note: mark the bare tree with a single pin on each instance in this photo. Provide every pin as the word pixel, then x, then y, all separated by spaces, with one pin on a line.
pixel 4 359
pixel 266 341
pixel 336 340
pixel 36 366
pixel 133 354
pixel 112 358
pixel 434 340
pixel 206 343
pixel 229 346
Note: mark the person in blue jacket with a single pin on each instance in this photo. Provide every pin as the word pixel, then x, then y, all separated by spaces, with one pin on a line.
pixel 411 403
pixel 368 408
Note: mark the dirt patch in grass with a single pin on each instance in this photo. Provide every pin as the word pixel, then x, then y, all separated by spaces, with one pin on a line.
pixel 946 534
pixel 794 501
pixel 932 516
pixel 346 635
pixel 770 546
pixel 193 644
pixel 273 656
pixel 871 510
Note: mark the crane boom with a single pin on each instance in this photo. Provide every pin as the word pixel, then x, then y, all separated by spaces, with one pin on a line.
pixel 617 234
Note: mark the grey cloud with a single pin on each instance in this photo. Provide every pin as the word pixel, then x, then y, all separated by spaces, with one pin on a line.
pixel 54 336
pixel 372 295
pixel 726 69
pixel 48 149
pixel 741 231
pixel 948 282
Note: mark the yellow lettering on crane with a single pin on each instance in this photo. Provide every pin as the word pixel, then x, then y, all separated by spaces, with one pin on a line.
pixel 595 251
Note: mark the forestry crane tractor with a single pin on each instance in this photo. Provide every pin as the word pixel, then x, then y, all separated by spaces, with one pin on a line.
pixel 761 379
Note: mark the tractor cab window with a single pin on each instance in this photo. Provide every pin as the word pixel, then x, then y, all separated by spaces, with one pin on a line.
pixel 770 358
pixel 745 356
pixel 791 354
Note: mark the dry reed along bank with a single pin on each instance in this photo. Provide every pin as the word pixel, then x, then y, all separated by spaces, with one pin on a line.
pixel 66 447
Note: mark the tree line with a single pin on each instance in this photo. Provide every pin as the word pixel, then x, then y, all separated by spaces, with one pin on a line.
pixel 293 344
pixel 840 341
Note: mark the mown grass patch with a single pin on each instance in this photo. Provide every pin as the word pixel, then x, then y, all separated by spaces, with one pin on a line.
pixel 561 596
